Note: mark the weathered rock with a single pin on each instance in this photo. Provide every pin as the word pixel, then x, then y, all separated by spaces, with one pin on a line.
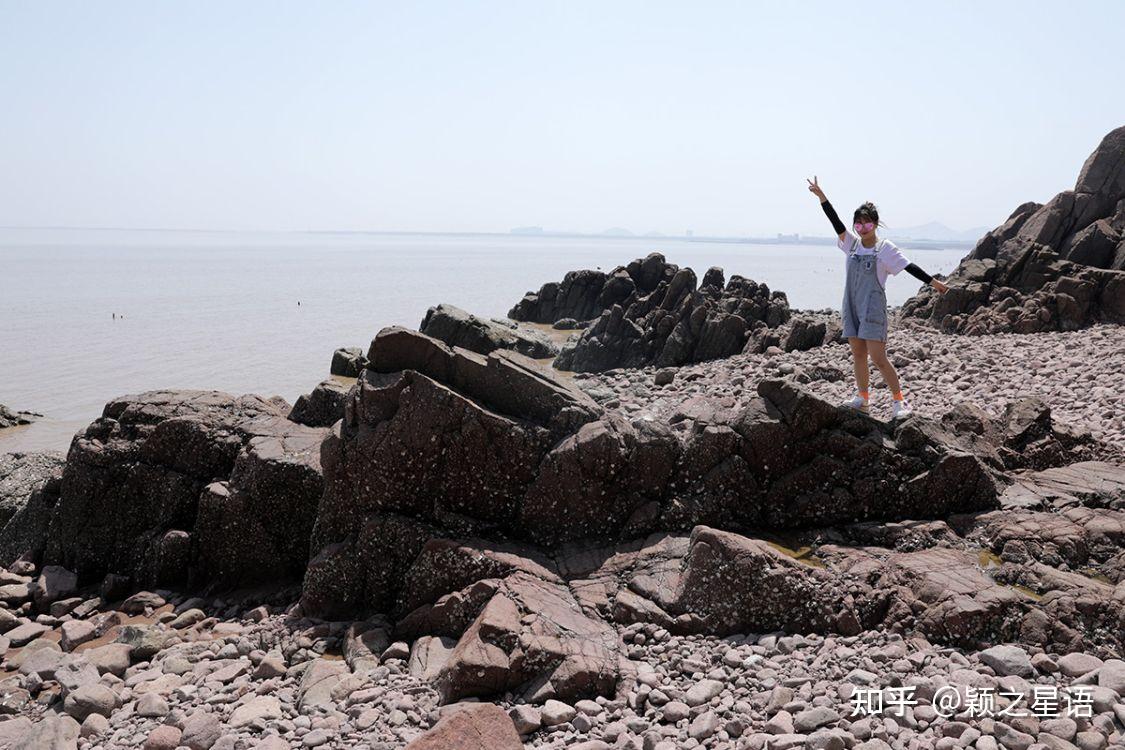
pixel 256 711
pixel 255 527
pixel 25 632
pixel 583 295
pixel 481 726
pixel 9 418
pixel 53 732
pixel 1048 267
pixel 1006 660
pixel 804 334
pixel 711 591
pixel 144 463
pixel 29 491
pixel 674 323
pixel 323 406
pixel 90 699
pixel 112 658
pixel 790 460
pixel 141 601
pixel 201 730
pixel 942 592
pixel 531 636
pixel 318 681
pixel 54 582
pixel 456 327
pixel 164 737
pixel 429 655
pixel 1093 483
pixel 347 362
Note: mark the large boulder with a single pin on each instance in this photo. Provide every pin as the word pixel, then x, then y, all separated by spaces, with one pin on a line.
pixel 456 327
pixel 441 442
pixel 676 322
pixel 130 498
pixel 532 637
pixel 255 527
pixel 727 583
pixel 323 406
pixel 584 295
pixel 347 362
pixel 474 726
pixel 29 491
pixel 1055 266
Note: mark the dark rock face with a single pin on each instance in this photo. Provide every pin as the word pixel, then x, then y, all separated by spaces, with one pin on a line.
pixel 676 322
pixel 253 527
pixel 1056 266
pixel 456 327
pixel 1024 437
pixel 29 490
pixel 137 495
pixel 440 442
pixel 347 362
pixel 323 406
pixel 584 295
pixel 9 418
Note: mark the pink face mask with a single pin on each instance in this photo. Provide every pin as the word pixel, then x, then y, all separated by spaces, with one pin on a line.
pixel 863 228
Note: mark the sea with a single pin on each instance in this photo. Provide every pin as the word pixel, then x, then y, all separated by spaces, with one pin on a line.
pixel 89 315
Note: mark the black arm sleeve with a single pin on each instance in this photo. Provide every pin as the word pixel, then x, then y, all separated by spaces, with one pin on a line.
pixel 832 217
pixel 918 273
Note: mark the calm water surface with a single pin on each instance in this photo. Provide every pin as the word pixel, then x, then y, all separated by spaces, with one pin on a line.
pixel 219 310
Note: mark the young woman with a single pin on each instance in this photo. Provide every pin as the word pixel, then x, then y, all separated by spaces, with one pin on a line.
pixel 869 261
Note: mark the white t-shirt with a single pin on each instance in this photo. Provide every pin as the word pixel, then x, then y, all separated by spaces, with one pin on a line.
pixel 890 258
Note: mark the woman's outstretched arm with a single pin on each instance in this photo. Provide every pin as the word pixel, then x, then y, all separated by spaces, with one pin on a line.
pixel 830 212
pixel 917 272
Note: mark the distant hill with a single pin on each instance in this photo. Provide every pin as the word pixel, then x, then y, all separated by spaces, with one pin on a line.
pixel 935 230
pixel 617 232
pixel 527 230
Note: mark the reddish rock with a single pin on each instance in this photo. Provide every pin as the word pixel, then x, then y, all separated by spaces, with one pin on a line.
pixel 479 726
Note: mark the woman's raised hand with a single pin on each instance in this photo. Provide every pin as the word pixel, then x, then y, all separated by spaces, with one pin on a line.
pixel 814 188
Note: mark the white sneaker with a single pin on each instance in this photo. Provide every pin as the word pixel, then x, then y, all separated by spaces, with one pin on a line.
pixel 901 409
pixel 858 403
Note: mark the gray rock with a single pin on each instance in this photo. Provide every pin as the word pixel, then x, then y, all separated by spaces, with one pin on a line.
pixel 201 730
pixel 347 362
pixel 456 327
pixel 527 719
pixel 1008 660
pixel 90 699
pixel 702 692
pixel 814 718
pixel 556 712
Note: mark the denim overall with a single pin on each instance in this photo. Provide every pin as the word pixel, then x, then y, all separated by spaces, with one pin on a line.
pixel 865 301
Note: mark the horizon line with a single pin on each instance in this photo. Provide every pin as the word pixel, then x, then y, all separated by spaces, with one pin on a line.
pixel 782 237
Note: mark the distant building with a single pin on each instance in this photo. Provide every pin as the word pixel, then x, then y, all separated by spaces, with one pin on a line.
pixel 795 237
pixel 689 233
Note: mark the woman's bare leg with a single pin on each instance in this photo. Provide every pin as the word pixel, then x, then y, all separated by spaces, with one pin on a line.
pixel 859 363
pixel 877 350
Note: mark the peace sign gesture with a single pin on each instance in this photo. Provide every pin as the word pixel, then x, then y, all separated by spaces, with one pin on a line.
pixel 814 188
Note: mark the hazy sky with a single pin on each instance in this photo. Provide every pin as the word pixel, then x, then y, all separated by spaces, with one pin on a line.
pixel 482 116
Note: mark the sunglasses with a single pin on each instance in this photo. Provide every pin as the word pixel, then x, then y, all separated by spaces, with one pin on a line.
pixel 863 227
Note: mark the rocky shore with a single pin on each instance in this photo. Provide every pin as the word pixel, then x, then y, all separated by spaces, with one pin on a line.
pixel 1075 372
pixel 687 544
pixel 9 418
